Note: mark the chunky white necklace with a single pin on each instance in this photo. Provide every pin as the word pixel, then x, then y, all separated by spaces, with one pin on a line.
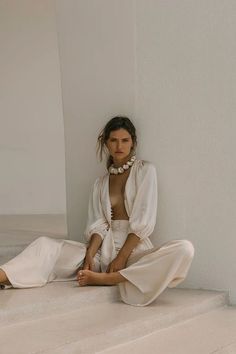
pixel 119 170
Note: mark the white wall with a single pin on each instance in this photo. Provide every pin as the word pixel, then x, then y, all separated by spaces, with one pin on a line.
pixel 97 55
pixel 32 157
pixel 185 104
pixel 176 74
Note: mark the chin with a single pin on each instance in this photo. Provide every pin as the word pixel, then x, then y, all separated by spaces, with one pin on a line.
pixel 121 156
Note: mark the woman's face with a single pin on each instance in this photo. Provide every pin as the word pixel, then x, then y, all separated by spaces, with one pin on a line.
pixel 119 145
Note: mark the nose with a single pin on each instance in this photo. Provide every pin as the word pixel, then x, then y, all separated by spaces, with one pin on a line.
pixel 119 143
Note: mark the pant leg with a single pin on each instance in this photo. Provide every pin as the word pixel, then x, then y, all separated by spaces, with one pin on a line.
pixel 149 274
pixel 70 260
pixel 42 262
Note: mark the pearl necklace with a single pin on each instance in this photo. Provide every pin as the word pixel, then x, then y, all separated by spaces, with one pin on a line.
pixel 119 170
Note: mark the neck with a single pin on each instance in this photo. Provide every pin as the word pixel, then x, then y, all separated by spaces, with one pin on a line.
pixel 119 163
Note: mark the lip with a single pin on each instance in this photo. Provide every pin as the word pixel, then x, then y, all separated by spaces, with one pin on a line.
pixel 119 152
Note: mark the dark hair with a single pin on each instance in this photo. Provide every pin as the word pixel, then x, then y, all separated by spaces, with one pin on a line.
pixel 118 122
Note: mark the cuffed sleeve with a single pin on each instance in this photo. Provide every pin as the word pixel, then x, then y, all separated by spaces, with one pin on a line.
pixel 143 215
pixel 96 221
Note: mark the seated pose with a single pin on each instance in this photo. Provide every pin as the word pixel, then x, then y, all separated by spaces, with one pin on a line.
pixel 121 217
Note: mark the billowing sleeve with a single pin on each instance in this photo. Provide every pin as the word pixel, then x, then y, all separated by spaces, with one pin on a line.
pixel 96 221
pixel 143 215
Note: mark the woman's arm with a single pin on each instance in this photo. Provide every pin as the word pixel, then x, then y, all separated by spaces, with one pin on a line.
pixel 120 261
pixel 96 221
pixel 130 243
pixel 142 219
pixel 94 245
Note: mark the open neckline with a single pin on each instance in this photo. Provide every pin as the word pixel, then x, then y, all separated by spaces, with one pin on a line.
pixel 108 189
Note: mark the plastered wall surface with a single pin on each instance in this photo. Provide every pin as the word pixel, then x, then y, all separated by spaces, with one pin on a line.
pixel 32 155
pixel 177 79
pixel 97 65
pixel 186 108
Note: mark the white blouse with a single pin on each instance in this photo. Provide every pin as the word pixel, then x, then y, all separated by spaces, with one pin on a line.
pixel 140 199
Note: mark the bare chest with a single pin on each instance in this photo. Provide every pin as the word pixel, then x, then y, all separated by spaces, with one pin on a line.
pixel 117 185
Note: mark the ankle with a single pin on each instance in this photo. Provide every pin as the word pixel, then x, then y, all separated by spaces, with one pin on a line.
pixel 115 278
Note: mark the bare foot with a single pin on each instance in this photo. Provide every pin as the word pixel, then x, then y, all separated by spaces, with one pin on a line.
pixel 87 277
pixel 3 278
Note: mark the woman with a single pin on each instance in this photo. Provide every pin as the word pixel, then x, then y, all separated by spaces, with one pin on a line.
pixel 121 217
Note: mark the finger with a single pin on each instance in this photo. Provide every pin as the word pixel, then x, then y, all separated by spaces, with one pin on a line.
pixel 92 264
pixel 80 275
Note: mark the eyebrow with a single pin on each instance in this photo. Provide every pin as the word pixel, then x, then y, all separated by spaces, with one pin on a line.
pixel 113 137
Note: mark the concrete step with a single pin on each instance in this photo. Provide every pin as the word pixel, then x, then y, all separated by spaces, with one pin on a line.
pixel 210 333
pixel 52 223
pixel 12 242
pixel 19 305
pixel 64 318
pixel 17 231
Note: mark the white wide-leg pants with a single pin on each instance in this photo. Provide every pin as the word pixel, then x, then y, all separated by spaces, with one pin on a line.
pixel 148 272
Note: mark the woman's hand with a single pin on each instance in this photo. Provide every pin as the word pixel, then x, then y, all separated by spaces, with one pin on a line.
pixel 121 259
pixel 88 261
pixel 117 264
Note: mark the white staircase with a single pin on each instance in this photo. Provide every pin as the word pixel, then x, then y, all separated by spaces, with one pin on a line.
pixel 65 318
pixel 17 231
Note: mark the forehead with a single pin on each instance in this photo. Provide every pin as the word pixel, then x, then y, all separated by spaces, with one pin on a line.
pixel 120 133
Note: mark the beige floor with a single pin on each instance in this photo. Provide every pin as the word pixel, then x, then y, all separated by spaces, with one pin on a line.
pixel 64 318
pixel 17 231
pixel 214 332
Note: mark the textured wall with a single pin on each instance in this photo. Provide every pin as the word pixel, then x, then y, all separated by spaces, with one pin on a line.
pixel 186 65
pixel 96 45
pixel 32 156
